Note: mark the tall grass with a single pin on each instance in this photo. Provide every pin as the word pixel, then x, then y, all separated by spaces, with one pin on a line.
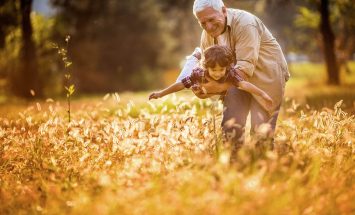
pixel 159 158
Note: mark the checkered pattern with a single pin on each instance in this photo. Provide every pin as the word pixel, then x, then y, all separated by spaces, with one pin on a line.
pixel 198 76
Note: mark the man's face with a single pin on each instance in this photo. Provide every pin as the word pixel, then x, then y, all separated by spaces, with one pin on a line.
pixel 217 72
pixel 212 21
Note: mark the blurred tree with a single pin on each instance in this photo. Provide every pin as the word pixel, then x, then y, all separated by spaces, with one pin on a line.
pixel 328 42
pixel 8 18
pixel 320 17
pixel 282 29
pixel 345 31
pixel 27 78
pixel 306 35
pixel 183 27
pixel 116 45
pixel 19 65
pixel 299 30
pixel 180 20
pixel 11 54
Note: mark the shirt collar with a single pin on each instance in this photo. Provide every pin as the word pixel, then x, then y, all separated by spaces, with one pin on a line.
pixel 229 21
pixel 229 18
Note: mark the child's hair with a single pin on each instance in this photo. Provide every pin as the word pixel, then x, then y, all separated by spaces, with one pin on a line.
pixel 217 54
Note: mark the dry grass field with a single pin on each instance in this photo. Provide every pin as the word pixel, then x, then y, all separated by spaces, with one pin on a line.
pixel 124 155
pixel 121 154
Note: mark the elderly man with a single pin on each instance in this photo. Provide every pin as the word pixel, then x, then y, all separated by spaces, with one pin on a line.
pixel 258 57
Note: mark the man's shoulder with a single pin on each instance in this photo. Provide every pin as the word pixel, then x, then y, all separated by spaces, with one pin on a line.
pixel 241 17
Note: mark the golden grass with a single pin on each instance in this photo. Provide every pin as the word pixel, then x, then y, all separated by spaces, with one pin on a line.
pixel 132 157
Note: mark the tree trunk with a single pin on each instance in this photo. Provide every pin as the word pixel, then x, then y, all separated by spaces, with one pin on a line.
pixel 328 42
pixel 27 78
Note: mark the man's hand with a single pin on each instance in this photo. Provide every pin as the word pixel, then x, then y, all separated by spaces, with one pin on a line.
pixel 267 101
pixel 201 95
pixel 200 92
pixel 213 87
pixel 199 88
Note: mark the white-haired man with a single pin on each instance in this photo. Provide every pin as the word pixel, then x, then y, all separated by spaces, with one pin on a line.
pixel 258 58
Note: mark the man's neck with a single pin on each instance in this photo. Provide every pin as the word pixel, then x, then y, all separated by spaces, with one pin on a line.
pixel 225 25
pixel 215 41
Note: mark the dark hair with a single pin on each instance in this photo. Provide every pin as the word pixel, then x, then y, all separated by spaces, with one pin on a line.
pixel 218 54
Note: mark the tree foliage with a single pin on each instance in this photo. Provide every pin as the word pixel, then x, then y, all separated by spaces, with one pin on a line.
pixel 299 29
pixel 124 45
pixel 116 45
pixel 19 62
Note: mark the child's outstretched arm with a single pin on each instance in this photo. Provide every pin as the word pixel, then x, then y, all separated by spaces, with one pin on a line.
pixel 251 88
pixel 171 89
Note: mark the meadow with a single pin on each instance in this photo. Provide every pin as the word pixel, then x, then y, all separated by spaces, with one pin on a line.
pixel 122 154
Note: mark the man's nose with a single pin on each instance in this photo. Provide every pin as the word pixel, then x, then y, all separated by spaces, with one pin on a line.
pixel 208 26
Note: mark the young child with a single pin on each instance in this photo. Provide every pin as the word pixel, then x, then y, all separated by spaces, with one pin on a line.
pixel 218 63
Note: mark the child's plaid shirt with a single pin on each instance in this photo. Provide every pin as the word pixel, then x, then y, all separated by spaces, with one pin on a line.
pixel 198 76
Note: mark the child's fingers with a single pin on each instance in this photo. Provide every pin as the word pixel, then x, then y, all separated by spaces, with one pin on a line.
pixel 153 96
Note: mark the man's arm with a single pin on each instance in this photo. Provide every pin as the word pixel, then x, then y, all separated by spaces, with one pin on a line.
pixel 246 48
pixel 251 88
pixel 214 88
pixel 242 74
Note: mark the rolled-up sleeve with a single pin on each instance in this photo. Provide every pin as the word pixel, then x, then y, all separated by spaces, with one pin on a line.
pixel 187 82
pixel 234 77
pixel 195 77
pixel 247 48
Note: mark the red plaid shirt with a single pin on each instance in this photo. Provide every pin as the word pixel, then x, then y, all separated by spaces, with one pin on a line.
pixel 198 76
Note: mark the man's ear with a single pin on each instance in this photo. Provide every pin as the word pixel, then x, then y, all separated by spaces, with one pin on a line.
pixel 224 11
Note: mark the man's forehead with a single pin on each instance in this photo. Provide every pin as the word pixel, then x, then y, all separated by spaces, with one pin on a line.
pixel 206 13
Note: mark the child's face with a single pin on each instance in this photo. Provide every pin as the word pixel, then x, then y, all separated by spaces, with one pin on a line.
pixel 217 72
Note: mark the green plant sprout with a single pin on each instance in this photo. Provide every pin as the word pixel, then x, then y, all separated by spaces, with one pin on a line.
pixel 70 88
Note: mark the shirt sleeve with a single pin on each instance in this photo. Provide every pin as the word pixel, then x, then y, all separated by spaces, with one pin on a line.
pixel 195 77
pixel 234 77
pixel 190 63
pixel 247 48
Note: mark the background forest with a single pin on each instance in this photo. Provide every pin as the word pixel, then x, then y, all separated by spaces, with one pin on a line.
pixel 135 45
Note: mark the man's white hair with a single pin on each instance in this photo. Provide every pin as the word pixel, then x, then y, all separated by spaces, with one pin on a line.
pixel 200 5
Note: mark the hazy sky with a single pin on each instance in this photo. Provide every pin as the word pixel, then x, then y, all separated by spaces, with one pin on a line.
pixel 43 7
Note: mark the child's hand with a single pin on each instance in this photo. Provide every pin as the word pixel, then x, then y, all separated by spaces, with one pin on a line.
pixel 268 101
pixel 154 95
